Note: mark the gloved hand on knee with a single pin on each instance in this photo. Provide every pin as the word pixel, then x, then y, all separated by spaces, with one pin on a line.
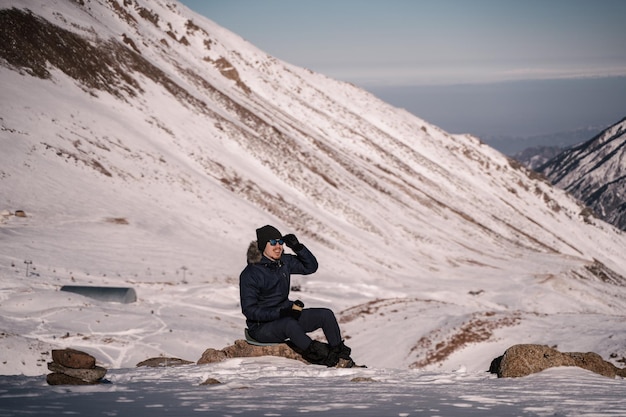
pixel 294 311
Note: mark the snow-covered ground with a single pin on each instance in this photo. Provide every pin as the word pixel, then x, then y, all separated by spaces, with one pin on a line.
pixel 181 315
pixel 280 387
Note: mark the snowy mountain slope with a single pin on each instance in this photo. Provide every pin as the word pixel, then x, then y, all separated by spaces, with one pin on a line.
pixel 595 172
pixel 145 143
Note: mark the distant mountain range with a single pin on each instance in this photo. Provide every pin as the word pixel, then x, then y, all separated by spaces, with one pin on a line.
pixel 518 146
pixel 594 172
pixel 537 156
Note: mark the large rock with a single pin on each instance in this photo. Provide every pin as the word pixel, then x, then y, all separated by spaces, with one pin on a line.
pixel 71 358
pixel 62 379
pixel 88 374
pixel 243 349
pixel 73 367
pixel 522 360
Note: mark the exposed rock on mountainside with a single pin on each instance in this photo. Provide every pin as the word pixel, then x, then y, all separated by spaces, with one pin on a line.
pixel 595 172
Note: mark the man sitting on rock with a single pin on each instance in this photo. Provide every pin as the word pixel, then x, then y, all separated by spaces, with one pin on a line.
pixel 270 316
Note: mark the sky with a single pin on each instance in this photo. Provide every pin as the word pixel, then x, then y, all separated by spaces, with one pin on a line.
pixel 424 42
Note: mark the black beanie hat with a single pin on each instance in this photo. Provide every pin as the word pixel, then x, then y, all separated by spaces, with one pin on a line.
pixel 264 234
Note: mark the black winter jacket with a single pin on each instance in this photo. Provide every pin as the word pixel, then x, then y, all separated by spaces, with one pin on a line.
pixel 264 284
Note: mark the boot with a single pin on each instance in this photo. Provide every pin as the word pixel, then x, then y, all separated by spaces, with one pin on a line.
pixel 342 351
pixel 320 353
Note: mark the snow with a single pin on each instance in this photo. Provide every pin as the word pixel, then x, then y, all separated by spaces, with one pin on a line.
pixel 279 387
pixel 435 253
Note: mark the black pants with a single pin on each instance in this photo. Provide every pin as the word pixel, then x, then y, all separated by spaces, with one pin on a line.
pixel 310 320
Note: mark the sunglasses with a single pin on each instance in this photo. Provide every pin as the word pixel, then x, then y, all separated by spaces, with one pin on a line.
pixel 273 242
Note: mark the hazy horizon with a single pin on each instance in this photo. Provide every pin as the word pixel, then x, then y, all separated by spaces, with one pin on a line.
pixel 514 109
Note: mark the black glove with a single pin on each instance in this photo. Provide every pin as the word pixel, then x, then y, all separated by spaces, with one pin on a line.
pixel 292 242
pixel 294 311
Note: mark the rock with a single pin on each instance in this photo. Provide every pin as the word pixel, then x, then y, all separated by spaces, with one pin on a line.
pixel 211 356
pixel 62 379
pixel 73 367
pixel 346 363
pixel 242 349
pixel 88 375
pixel 494 367
pixel 522 360
pixel 71 358
pixel 163 362
pixel 211 381
pixel 594 362
pixel 363 379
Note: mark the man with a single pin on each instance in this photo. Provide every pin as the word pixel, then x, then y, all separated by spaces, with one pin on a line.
pixel 270 316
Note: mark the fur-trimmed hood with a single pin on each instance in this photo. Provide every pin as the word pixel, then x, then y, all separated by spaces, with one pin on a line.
pixel 254 255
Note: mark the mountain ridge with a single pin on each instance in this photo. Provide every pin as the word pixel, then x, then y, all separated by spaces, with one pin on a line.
pixel 593 172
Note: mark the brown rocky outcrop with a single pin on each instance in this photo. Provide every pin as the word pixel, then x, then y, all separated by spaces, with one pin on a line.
pixel 522 360
pixel 243 349
pixel 73 367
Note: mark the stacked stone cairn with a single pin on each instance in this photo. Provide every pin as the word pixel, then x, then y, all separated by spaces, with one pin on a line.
pixel 73 367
